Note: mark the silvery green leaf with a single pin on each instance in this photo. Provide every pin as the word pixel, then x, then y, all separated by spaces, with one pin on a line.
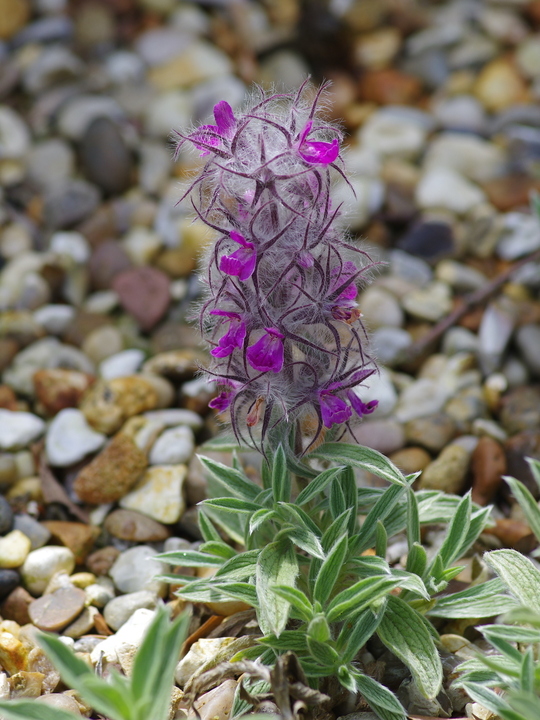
pixel 281 477
pixel 322 653
pixel 218 548
pixel 293 640
pixel 234 480
pixel 318 484
pixel 381 539
pixel 355 634
pixel 296 516
pixel 297 599
pixel 404 632
pixel 334 531
pixel 224 443
pixel 383 702
pixel 457 532
pixel 304 539
pixel 523 615
pixel 528 504
pixel 259 517
pixel 435 507
pixel 243 591
pixel 362 457
pixel 525 703
pixel 31 710
pixel 330 570
pixel 240 567
pixel 350 493
pixel 479 520
pixel 518 573
pixel 490 700
pixel 382 508
pixel 527 672
pixel 276 565
pixel 190 558
pixel 479 601
pixel 351 602
pixel 512 633
pixel 410 581
pixel 534 466
pixel 417 559
pixel 208 531
pixel 413 519
pixel 232 524
pixel 336 499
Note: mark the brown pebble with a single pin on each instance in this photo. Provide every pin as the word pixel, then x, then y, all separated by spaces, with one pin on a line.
pixel 389 87
pixel 54 611
pixel 433 432
pixel 101 561
pixel 13 654
pixel 175 262
pixel 101 626
pixel 107 261
pixel 523 445
pixel 8 349
pixel 107 404
pixel 60 701
pixel 446 473
pixel 134 526
pixel 14 15
pixel 411 459
pixel 57 388
pixel 15 606
pixel 8 399
pixel 78 537
pixel 38 661
pixel 175 364
pixel 488 465
pixel 512 532
pixel 510 191
pixel 520 410
pixel 105 157
pixel 112 473
pixel 144 294
pixel 25 685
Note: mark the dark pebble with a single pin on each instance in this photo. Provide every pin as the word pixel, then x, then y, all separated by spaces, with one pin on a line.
pixel 69 204
pixel 107 260
pixel 430 241
pixel 9 580
pixel 6 516
pixel 105 157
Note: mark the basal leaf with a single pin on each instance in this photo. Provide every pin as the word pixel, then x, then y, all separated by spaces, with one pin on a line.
pixel 355 634
pixel 528 504
pixel 383 702
pixel 304 539
pixel 413 520
pixel 281 477
pixel 330 570
pixel 234 480
pixel 417 560
pixel 293 640
pixel 512 633
pixel 259 517
pixel 351 602
pixel 457 532
pixel 240 567
pixel 208 531
pixel 403 632
pixel 232 505
pixel 382 508
pixel 297 599
pixel 218 548
pixel 276 565
pixel 518 573
pixel 479 601
pixel 318 484
pixel 362 457
pixel 336 498
pixel 190 558
pixel 322 653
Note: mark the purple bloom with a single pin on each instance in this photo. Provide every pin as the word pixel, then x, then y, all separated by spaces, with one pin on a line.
pixel 360 407
pixel 241 262
pixel 267 353
pixel 317 153
pixel 215 134
pixel 233 338
pixel 333 408
pixel 222 401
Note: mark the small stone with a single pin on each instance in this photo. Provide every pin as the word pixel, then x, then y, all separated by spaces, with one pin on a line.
pixel 135 569
pixel 199 62
pixel 69 203
pixel 200 653
pixel 54 611
pixel 82 624
pixel 380 309
pixel 523 445
pixel 528 343
pixel 159 493
pixel 78 537
pixel 389 343
pixel 520 410
pixel 430 240
pixel 386 435
pixel 70 244
pixel 18 429
pixel 60 701
pixel 9 579
pixel 429 303
pixel 105 156
pixel 389 87
pixel 54 319
pixel 460 277
pixel 144 294
pixel 170 417
pixel 135 527
pixel 70 439
pixel 122 646
pixel 102 342
pixel 34 531
pixel 173 447
pixel 119 610
pixel 496 328
pixel 512 533
pixel 112 473
pixel 25 685
pixel 499 86
pixel 57 389
pixel 521 234
pixel 51 162
pixel 14 549
pixel 101 561
pixel 98 594
pixel 461 112
pixel 433 432
pixel 217 703
pixel 13 654
pixel 470 156
pixel 77 114
pixel 108 260
pixel 389 134
pixel 6 516
pixel 42 564
pixel 14 14
pixel 109 403
pixel 466 406
pixel 411 459
pixel 121 364
pixel 39 662
pixel 443 187
pixel 174 364
pixel 488 465
pixel 15 606
pixel 447 472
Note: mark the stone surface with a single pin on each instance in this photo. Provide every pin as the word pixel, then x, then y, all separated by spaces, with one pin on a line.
pixel 432 432
pixel 109 403
pixel 135 569
pixel 447 472
pixel 144 293
pixel 443 187
pixel 19 429
pixel 488 464
pixel 54 611
pixel 40 565
pixel 112 473
pixel 78 537
pixel 60 701
pixel 57 388
pixel 173 447
pixel 134 526
pixel 121 364
pixel 14 549
pixel 121 647
pixel 15 606
pixel 217 703
pixel 520 409
pixel 82 624
pixel 9 579
pixel 6 516
pixel 69 438
pixel 106 158
pixel 118 611
pixel 158 493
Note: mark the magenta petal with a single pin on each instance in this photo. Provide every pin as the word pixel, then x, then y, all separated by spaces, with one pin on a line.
pixel 225 120
pixel 222 401
pixel 240 239
pixel 319 153
pixel 333 409
pixel 267 353
pixel 240 263
pixel 232 339
pixel 360 407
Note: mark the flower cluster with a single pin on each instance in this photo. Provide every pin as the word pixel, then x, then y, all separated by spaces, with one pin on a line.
pixel 282 279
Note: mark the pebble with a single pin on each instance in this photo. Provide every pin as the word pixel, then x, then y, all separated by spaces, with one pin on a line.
pixel 69 203
pixel 6 516
pixel 461 112
pixel 158 493
pixel 443 187
pixel 385 435
pixel 41 564
pixel 14 14
pixel 144 294
pixel 476 159
pixel 122 646
pixel 389 343
pixel 430 240
pixel 389 134
pixel 499 86
pixel 135 569
pixel 411 459
pixel 173 447
pixel 118 611
pixel 14 135
pixel 54 319
pixel 528 343
pixel 15 606
pixel 109 403
pixel 80 111
pixel 111 474
pixel 69 438
pixel 61 702
pixel 98 594
pixel 520 409
pixel 134 526
pixel 496 328
pixel 9 579
pixel 217 704
pixel 488 465
pixel 77 536
pixel 35 531
pixel 380 309
pixel 431 302
pixel 57 389
pixel 83 624
pixel 19 429
pixel 121 364
pixel 14 549
pixel 105 156
pixel 432 432
pixel 201 652
pixel 50 162
pixel 446 473
pixel 52 612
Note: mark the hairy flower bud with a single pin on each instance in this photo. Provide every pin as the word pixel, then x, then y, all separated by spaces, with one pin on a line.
pixel 280 311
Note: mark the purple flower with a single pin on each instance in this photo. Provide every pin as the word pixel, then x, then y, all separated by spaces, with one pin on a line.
pixel 215 134
pixel 241 262
pixel 267 353
pixel 317 153
pixel 333 408
pixel 360 407
pixel 222 401
pixel 233 338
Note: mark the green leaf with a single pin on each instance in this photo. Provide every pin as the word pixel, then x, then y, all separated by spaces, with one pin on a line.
pixel 457 532
pixel 417 560
pixel 350 493
pixel 330 570
pixel 208 531
pixel 534 466
pixel 322 652
pixel 479 601
pixel 31 710
pixel 232 505
pixel 297 599
pixel 527 672
pixel 233 525
pixel 276 565
pixel 381 539
pixel 403 631
pixel 240 567
pixel 490 700
pixel 245 592
pixel 413 520
pixel 512 633
pixel 218 548
pixel 383 702
pixel 410 581
pixel 259 517
pixel 528 504
pixel 336 529
pixel 296 516
pixel 293 640
pixel 525 703
pixel 319 629
pixel 318 484
pixel 384 505
pixel 235 481
pixel 336 499
pixel 355 634
pixel 479 520
pixel 113 701
pixel 518 574
pixel 190 558
pixel 362 457
pixel 305 540
pixel 224 443
pixel 281 477
pixel 346 678
pixel 352 601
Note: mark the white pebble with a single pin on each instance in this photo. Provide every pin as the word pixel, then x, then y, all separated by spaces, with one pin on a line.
pixel 121 364
pixel 174 446
pixel 19 429
pixel 70 438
